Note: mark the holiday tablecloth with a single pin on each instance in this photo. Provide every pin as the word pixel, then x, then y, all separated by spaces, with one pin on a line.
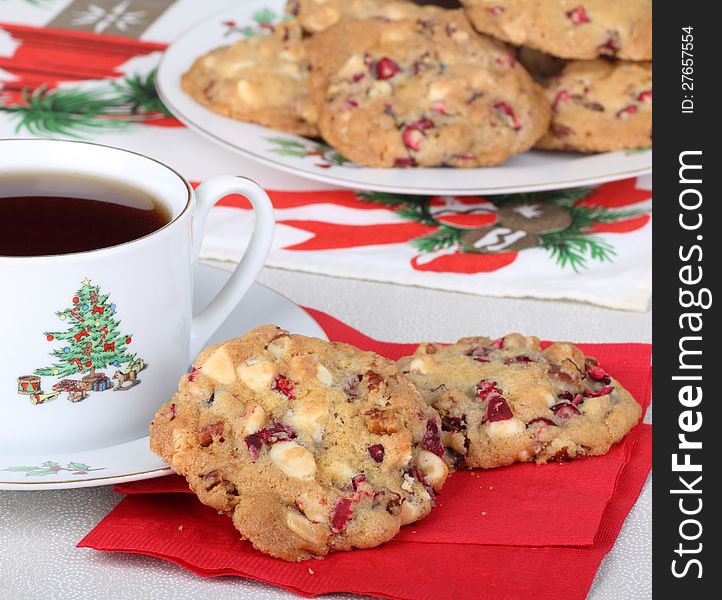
pixel 85 69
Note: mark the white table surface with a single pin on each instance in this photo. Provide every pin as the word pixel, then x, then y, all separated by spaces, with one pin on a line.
pixel 39 529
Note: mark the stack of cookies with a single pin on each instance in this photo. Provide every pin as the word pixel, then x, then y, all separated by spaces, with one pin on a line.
pixel 395 84
pixel 313 447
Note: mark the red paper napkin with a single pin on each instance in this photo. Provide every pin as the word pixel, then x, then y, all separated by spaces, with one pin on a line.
pixel 493 531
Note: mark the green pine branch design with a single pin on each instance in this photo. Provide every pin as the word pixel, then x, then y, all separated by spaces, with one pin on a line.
pixel 75 112
pixel 51 468
pixel 444 237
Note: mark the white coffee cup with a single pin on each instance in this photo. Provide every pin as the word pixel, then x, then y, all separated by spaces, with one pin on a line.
pixel 137 294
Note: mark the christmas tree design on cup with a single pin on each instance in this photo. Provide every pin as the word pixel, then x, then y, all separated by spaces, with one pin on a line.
pixel 91 342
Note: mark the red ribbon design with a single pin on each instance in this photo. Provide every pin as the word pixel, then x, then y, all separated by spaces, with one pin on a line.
pixel 98 310
pixel 82 334
pixel 109 347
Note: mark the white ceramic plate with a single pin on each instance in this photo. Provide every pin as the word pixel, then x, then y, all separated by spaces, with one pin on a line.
pixel 134 460
pixel 531 171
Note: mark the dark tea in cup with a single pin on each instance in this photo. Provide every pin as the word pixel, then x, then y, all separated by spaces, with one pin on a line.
pixel 63 214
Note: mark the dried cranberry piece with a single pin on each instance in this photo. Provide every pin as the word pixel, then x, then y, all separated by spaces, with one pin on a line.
pixel 350 104
pixel 562 96
pixel 611 46
pixel 498 343
pixel 564 410
pixel 171 411
pixel 277 432
pixel 627 110
pixel 486 388
pixel 192 374
pixel 578 399
pixel 506 61
pixel 506 111
pixel 479 353
pixel 566 396
pixel 205 434
pixel 254 445
pixel 599 374
pixel 577 15
pixel 607 389
pixel 284 385
pixel 341 512
pixel 412 138
pixel 350 388
pixel 432 439
pixel 356 481
pixel 453 424
pixel 522 358
pixel 495 10
pixel 644 96
pixel 358 77
pixel 439 106
pixel 377 452
pixel 498 410
pixel 423 481
pixel 406 161
pixel 559 130
pixel 386 68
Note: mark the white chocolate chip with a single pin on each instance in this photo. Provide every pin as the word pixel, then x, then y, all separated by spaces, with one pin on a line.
pixel 597 408
pixel 410 513
pixel 432 468
pixel 380 88
pixel 306 418
pixel 258 376
pixel 460 36
pixel 421 365
pixel 278 346
pixel 355 64
pixel 551 400
pixel 255 419
pixel 508 428
pixel 408 484
pixel 437 91
pixel 250 94
pixel 219 366
pixel 302 527
pixel 294 460
pixel 312 508
pixel 324 375
pixel 340 472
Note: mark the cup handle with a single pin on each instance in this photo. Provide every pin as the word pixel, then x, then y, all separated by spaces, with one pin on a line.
pixel 207 194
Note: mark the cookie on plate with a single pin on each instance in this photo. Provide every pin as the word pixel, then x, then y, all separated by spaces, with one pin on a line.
pixel 426 91
pixel 507 400
pixel 262 79
pixel 581 29
pixel 309 446
pixel 600 106
pixel 318 15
